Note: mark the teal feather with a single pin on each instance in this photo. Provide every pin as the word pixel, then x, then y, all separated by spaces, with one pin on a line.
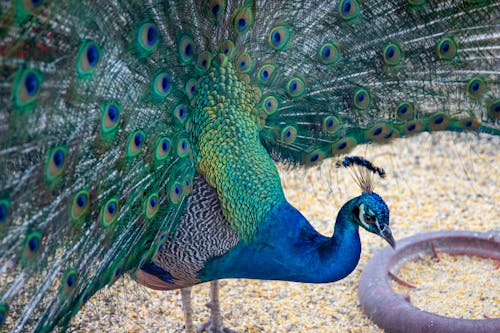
pixel 107 122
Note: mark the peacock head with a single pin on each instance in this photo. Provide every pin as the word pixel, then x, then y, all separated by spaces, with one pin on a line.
pixel 371 213
pixel 368 210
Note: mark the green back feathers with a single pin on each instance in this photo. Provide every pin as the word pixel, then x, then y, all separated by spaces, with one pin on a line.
pixel 229 154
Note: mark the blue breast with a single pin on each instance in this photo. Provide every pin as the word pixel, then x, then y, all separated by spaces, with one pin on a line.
pixel 286 247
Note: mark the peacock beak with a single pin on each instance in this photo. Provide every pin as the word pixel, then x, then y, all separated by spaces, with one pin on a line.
pixel 385 233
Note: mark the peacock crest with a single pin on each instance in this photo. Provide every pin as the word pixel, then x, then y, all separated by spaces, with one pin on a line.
pixel 362 171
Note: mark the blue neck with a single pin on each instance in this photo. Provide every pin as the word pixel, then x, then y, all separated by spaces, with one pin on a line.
pixel 286 247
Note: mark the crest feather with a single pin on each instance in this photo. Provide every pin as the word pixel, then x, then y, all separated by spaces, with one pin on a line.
pixel 363 171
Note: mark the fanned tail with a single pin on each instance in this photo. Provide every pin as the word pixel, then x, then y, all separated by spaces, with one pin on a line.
pixel 334 75
pixel 95 160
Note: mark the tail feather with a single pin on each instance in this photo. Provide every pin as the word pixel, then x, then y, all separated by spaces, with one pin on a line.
pixel 380 70
pixel 94 164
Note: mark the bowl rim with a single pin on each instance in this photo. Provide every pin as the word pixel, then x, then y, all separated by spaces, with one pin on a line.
pixel 393 312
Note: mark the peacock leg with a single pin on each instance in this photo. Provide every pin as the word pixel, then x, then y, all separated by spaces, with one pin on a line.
pixel 188 310
pixel 214 323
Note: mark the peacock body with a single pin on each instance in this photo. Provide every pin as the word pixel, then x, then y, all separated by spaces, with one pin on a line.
pixel 141 136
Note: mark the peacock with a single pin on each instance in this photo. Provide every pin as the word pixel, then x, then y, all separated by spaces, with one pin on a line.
pixel 141 137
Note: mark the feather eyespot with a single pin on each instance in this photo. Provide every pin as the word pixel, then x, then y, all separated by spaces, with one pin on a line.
pixel 330 124
pixel 295 87
pixel 494 109
pixel 188 186
pixel 380 132
pixel 186 49
pixel 135 143
pixel 265 75
pixel 147 36
pixel 110 115
pixel 31 84
pixel 203 61
pixel 191 88
pixel 3 313
pixel 180 113
pixel 80 204
pixel 32 245
pixel 109 212
pixel 242 23
pixel 182 148
pixel 69 282
pixel 438 121
pixel 279 37
pixel 470 123
pixel 270 105
pixel 243 20
pixel 88 58
pixel 329 54
pixel 315 156
pixel 4 210
pixel 118 271
pixel 162 85
pixel 227 48
pixel 176 193
pixel 215 9
pixel 152 205
pixel 288 134
pixel 412 127
pixel 162 148
pixel 405 110
pixel 446 48
pixel 476 87
pixel 349 9
pixel 32 6
pixel 392 54
pixel 92 55
pixel 26 87
pixel 34 3
pixel 343 146
pixel 362 99
pixel 55 164
pixel 244 63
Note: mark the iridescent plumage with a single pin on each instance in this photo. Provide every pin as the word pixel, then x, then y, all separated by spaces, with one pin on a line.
pixel 111 110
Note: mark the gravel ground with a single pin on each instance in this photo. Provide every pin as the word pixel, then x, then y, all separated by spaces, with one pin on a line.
pixel 440 182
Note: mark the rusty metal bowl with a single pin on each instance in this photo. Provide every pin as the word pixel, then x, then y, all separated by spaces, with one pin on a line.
pixel 393 312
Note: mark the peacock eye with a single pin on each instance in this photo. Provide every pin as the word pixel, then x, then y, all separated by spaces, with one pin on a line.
pixel 370 219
